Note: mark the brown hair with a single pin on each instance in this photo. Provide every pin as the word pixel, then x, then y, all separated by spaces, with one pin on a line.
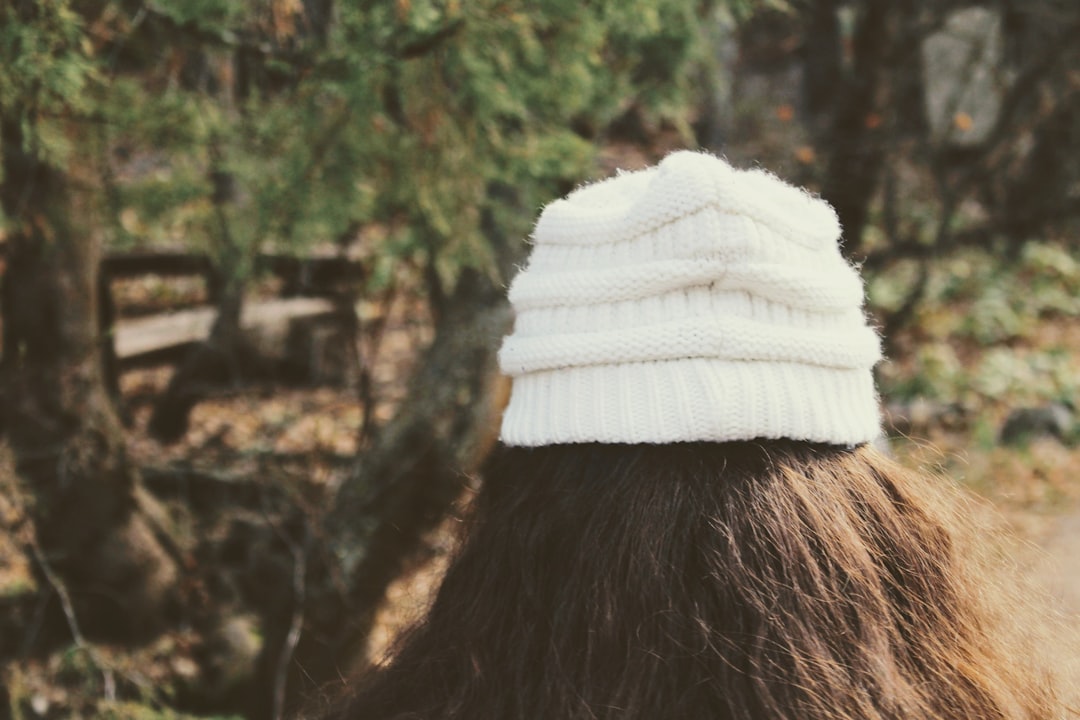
pixel 771 579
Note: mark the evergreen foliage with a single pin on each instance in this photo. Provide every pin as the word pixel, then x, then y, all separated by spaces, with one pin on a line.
pixel 231 125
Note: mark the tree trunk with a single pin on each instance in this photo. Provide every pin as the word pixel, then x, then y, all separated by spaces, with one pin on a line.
pixel 402 487
pixel 1040 194
pixel 822 57
pixel 857 136
pixel 220 360
pixel 88 508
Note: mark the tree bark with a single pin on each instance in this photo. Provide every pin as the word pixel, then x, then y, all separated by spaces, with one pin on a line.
pixel 1038 196
pixel 822 57
pixel 89 513
pixel 218 361
pixel 402 487
pixel 857 136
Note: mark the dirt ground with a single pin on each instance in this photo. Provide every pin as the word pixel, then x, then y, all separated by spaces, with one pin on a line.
pixel 1059 567
pixel 1055 566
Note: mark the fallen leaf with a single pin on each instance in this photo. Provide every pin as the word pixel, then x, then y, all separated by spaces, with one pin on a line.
pixel 805 154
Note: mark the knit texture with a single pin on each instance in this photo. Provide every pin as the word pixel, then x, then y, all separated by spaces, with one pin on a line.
pixel 689 301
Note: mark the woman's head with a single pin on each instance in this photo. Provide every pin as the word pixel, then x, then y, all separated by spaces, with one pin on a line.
pixel 685 518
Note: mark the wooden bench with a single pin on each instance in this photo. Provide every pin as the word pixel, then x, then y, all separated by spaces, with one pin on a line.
pixel 312 289
pixel 158 335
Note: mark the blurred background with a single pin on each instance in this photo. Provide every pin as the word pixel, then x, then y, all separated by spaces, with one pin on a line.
pixel 254 255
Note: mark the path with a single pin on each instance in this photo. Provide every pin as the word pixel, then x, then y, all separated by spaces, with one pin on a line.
pixel 1056 567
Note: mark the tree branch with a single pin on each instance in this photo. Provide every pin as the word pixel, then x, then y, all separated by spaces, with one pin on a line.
pixel 299 554
pixel 425 45
pixel 58 586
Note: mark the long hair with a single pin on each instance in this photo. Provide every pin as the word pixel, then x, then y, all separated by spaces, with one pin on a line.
pixel 708 581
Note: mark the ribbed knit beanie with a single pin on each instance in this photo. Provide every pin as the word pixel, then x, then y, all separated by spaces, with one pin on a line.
pixel 689 301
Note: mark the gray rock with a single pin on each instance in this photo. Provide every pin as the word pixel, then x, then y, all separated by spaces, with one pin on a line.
pixel 964 76
pixel 1025 424
pixel 917 416
pixel 230 657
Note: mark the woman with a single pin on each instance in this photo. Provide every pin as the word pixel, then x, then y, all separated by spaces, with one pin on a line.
pixel 685 517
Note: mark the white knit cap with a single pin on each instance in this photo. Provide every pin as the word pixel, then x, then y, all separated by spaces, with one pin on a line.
pixel 689 301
